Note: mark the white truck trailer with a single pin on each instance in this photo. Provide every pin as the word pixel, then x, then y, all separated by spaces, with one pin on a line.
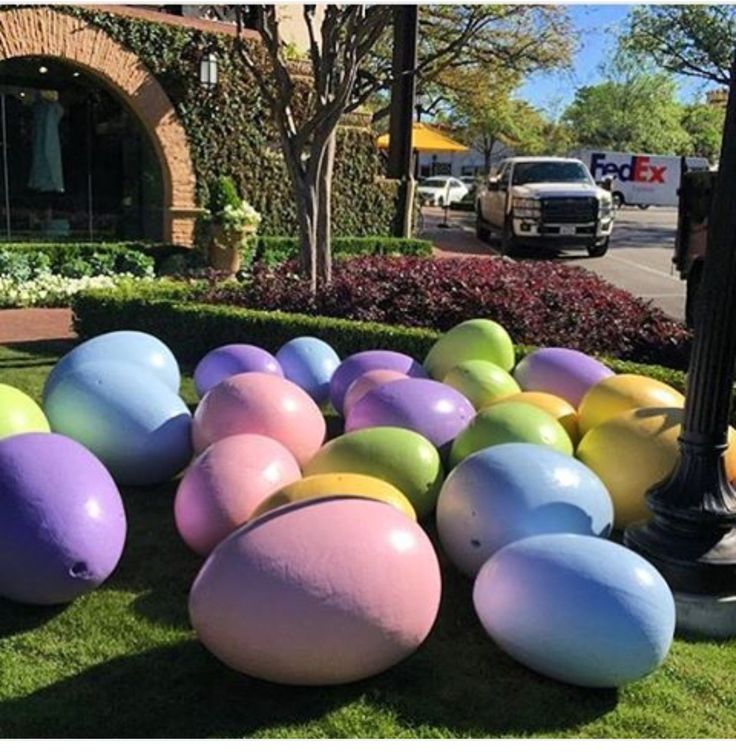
pixel 641 180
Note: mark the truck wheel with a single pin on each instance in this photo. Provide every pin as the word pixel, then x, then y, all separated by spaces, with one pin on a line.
pixel 618 200
pixel 508 240
pixel 481 231
pixel 643 207
pixel 598 250
pixel 692 288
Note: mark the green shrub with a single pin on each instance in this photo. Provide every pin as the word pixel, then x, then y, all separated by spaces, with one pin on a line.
pixel 222 193
pixel 23 267
pixel 273 250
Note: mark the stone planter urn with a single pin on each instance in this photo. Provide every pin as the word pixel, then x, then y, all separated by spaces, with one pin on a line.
pixel 226 245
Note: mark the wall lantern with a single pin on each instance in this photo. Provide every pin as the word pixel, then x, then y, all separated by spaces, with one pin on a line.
pixel 208 71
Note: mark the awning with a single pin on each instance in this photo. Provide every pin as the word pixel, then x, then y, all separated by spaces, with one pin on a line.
pixel 426 139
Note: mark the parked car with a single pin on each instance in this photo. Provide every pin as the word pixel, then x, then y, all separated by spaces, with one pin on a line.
pixel 441 190
pixel 641 180
pixel 545 201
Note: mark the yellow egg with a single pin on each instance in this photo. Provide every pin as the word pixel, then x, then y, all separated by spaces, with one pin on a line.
pixel 337 484
pixel 620 393
pixel 561 410
pixel 634 451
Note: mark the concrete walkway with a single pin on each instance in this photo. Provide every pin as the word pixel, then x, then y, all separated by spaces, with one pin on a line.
pixel 35 324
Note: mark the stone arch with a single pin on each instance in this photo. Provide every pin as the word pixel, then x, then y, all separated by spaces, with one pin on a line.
pixel 48 33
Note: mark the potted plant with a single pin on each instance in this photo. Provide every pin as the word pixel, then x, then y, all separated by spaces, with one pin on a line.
pixel 232 221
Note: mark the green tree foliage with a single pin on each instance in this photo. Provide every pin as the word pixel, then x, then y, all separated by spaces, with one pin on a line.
pixel 691 40
pixel 704 124
pixel 636 111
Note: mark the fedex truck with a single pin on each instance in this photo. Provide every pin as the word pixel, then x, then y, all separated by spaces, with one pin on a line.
pixel 641 180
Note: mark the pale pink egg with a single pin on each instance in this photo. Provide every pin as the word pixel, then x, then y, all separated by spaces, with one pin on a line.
pixel 225 484
pixel 267 405
pixel 320 592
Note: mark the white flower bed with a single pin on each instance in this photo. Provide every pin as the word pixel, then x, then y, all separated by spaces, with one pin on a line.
pixel 52 290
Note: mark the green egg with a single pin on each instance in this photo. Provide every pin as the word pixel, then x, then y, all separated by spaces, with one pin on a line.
pixel 19 413
pixel 506 423
pixel 401 457
pixel 481 382
pixel 477 339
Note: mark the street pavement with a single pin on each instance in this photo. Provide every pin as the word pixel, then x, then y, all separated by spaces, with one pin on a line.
pixel 639 259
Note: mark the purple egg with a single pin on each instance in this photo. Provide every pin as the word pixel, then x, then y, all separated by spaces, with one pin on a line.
pixel 62 522
pixel 435 410
pixel 566 373
pixel 232 359
pixel 377 359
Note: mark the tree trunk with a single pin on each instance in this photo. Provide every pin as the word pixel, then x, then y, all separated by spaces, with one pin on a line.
pixel 487 155
pixel 324 217
pixel 307 214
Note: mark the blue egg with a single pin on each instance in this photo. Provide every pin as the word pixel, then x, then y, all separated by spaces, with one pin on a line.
pixel 141 350
pixel 513 491
pixel 135 424
pixel 581 610
pixel 310 363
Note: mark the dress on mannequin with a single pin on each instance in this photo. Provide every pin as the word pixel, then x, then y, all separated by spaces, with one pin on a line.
pixel 46 168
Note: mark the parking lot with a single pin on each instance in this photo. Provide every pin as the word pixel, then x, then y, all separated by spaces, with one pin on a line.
pixel 639 259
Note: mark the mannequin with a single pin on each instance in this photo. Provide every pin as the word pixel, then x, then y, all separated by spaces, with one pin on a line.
pixel 46 168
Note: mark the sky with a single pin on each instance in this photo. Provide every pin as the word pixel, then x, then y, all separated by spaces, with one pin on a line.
pixel 598 26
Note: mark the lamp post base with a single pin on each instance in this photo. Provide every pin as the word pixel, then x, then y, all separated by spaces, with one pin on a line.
pixel 706 616
pixel 699 561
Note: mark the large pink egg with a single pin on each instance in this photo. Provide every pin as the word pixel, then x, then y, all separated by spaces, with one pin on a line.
pixel 318 593
pixel 267 405
pixel 367 382
pixel 226 483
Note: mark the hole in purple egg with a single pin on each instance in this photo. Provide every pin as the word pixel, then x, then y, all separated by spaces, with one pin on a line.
pixel 475 543
pixel 78 569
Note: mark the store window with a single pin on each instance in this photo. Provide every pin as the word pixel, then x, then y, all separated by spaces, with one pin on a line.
pixel 76 162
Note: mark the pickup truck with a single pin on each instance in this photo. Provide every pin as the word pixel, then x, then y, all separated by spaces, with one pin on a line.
pixel 548 202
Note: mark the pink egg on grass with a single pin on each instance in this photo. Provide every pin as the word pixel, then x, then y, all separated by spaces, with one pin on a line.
pixel 266 405
pixel 231 359
pixel 226 483
pixel 367 382
pixel 323 592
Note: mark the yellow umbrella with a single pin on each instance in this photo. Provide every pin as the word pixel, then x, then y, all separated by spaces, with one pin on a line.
pixel 426 139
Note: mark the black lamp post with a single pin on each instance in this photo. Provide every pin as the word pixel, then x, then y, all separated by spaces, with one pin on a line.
pixel 404 62
pixel 691 537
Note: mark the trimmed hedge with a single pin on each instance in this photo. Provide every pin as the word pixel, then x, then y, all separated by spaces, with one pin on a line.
pixel 169 311
pixel 272 250
pixel 191 330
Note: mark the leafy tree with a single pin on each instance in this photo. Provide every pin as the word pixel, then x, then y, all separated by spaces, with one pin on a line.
pixel 704 124
pixel 500 40
pixel 349 61
pixel 691 40
pixel 636 111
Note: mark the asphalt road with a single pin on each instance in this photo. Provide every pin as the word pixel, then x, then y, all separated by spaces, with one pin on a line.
pixel 639 258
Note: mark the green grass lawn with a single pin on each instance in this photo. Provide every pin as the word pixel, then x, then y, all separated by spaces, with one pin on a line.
pixel 123 662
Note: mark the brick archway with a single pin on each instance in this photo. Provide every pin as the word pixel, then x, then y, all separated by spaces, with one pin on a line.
pixel 44 32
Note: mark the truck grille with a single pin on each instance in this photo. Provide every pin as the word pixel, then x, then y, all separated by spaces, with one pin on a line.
pixel 569 210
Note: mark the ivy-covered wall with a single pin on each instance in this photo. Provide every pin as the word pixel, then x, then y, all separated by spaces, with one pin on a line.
pixel 230 132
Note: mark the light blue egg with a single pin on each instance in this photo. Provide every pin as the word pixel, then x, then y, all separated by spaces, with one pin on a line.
pixel 141 350
pixel 578 609
pixel 310 363
pixel 513 491
pixel 135 424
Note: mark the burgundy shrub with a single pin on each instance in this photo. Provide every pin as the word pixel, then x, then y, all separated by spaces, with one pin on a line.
pixel 541 303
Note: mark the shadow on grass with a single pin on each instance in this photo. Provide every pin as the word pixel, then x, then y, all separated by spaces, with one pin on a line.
pixel 458 683
pixel 19 618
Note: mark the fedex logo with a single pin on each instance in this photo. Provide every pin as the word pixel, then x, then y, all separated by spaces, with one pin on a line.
pixel 639 168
